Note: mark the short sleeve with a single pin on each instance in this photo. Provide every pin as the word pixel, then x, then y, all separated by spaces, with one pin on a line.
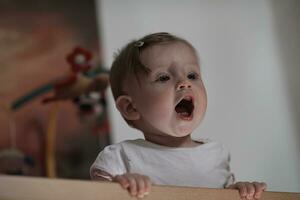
pixel 109 161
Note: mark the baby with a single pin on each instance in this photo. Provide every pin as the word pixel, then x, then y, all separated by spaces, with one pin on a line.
pixel 157 86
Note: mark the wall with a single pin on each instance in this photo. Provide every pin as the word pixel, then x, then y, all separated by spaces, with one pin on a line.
pixel 249 52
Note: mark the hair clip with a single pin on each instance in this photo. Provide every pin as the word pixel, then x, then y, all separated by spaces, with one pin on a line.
pixel 139 44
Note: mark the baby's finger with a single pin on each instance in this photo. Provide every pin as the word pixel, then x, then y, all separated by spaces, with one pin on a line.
pixel 250 190
pixel 147 185
pixel 140 186
pixel 132 185
pixel 241 187
pixel 122 180
pixel 259 188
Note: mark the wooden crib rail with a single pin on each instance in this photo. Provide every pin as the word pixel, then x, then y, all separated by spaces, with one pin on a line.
pixel 29 188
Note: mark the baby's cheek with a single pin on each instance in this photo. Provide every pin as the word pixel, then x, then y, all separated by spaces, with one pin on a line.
pixel 158 114
pixel 157 104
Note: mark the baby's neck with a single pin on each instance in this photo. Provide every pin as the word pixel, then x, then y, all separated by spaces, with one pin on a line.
pixel 170 141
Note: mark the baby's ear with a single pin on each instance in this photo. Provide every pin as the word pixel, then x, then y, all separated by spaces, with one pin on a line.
pixel 126 108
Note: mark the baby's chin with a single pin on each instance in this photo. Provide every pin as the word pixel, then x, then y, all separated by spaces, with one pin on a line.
pixel 187 130
pixel 180 135
pixel 182 132
pixel 170 129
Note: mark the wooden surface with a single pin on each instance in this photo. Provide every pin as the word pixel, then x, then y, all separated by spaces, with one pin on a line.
pixel 29 188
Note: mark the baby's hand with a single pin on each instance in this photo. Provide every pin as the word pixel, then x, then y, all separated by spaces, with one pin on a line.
pixel 137 185
pixel 249 190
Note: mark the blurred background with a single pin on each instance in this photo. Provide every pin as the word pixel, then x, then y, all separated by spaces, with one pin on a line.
pixel 249 53
pixel 59 138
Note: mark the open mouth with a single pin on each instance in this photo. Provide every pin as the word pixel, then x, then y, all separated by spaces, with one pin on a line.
pixel 185 108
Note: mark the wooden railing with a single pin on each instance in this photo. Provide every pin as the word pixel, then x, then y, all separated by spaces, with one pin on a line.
pixel 29 188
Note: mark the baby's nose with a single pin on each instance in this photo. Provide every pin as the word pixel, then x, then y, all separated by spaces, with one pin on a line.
pixel 183 85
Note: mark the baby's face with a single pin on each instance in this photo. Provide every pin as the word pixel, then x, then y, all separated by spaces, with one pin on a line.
pixel 171 99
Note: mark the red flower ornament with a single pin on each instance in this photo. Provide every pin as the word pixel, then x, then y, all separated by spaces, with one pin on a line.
pixel 79 60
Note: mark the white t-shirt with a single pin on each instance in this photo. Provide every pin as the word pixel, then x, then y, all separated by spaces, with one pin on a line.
pixel 206 165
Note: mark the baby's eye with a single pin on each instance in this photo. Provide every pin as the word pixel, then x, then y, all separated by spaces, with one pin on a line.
pixel 163 78
pixel 193 76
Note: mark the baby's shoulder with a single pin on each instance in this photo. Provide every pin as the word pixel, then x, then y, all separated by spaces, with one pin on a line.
pixel 117 147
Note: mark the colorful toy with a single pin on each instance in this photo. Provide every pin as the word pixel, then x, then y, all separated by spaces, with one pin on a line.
pixel 83 81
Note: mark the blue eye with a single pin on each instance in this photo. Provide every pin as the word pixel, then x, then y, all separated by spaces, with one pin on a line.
pixel 163 78
pixel 193 76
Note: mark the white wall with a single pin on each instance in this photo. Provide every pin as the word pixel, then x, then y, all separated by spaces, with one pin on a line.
pixel 249 62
